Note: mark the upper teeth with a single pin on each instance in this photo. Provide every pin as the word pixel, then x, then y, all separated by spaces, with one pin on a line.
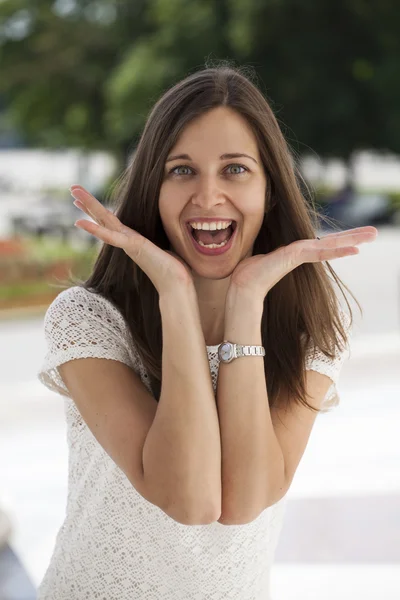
pixel 211 226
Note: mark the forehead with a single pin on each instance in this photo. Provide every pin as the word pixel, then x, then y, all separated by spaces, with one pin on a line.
pixel 220 129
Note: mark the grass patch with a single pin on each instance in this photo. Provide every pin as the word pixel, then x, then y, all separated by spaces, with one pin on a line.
pixel 17 290
pixel 48 249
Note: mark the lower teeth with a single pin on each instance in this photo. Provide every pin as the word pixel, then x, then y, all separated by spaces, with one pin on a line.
pixel 213 245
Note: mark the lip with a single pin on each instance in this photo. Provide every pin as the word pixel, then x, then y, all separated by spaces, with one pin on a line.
pixel 208 219
pixel 212 251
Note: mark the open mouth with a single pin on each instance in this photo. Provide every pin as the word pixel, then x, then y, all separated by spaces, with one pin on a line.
pixel 213 238
pixel 213 242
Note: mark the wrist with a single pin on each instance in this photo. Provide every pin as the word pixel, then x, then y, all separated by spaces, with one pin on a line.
pixel 243 315
pixel 239 300
pixel 178 298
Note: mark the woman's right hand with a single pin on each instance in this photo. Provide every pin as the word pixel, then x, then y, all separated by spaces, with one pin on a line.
pixel 164 268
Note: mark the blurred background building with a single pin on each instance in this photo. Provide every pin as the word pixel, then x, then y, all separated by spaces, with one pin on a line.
pixel 77 80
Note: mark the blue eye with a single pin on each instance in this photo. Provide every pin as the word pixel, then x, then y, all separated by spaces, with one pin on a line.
pixel 179 167
pixel 172 171
pixel 240 166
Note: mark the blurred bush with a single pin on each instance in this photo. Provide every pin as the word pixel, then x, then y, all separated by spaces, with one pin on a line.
pixel 32 270
pixel 394 198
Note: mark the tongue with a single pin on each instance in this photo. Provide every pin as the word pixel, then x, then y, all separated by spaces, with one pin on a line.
pixel 212 237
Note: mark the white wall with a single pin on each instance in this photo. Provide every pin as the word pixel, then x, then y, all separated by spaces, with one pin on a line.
pixel 373 171
pixel 32 170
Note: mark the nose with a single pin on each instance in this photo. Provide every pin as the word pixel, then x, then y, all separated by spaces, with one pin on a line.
pixel 208 194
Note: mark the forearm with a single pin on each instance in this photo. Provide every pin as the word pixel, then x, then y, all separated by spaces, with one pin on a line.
pixel 252 460
pixel 182 451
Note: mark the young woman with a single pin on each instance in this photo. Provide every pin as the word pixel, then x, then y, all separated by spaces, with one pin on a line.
pixel 196 357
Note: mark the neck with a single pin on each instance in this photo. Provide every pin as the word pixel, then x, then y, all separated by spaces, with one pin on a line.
pixel 211 296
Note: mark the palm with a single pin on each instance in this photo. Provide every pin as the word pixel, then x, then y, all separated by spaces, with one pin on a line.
pixel 259 273
pixel 253 268
pixel 164 268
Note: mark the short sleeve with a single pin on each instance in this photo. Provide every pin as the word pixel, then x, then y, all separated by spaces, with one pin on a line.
pixel 81 324
pixel 330 366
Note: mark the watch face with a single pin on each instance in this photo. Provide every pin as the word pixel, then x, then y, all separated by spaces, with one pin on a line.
pixel 225 351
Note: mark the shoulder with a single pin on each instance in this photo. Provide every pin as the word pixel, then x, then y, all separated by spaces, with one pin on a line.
pixel 317 360
pixel 83 324
pixel 81 318
pixel 79 305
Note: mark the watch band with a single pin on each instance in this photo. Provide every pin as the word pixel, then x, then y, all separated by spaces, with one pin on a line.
pixel 228 351
pixel 241 350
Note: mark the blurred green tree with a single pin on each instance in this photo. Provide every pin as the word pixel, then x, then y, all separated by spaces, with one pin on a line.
pixel 86 72
pixel 56 58
pixel 331 67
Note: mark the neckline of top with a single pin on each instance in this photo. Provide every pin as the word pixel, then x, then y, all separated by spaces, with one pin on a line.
pixel 212 347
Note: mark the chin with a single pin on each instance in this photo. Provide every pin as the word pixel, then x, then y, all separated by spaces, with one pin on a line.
pixel 207 272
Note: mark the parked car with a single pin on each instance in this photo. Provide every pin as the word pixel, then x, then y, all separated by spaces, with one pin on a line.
pixel 354 209
pixel 368 209
pixel 51 218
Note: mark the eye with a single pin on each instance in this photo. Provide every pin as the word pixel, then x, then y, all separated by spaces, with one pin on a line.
pixel 179 167
pixel 240 167
pixel 173 171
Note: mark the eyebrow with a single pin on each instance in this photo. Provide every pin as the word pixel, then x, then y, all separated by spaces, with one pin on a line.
pixel 222 157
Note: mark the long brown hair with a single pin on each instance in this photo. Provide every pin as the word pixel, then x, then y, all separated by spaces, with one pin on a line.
pixel 302 306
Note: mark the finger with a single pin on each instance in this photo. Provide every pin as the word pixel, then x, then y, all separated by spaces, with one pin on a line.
pixel 367 230
pixel 352 237
pixel 312 255
pixel 130 244
pixel 88 203
pixel 91 206
pixel 84 209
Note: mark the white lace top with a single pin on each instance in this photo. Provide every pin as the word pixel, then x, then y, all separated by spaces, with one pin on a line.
pixel 113 543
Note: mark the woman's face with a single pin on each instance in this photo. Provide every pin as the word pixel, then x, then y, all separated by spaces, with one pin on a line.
pixel 204 185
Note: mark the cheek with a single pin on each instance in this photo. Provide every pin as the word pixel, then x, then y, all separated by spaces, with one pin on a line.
pixel 253 213
pixel 251 201
pixel 170 204
pixel 169 219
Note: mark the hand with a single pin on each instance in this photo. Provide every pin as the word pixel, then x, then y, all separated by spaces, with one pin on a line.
pixel 258 274
pixel 164 268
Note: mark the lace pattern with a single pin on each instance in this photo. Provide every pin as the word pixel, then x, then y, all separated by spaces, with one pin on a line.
pixel 113 543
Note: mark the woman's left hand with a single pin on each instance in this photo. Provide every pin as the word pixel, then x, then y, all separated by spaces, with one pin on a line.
pixel 257 274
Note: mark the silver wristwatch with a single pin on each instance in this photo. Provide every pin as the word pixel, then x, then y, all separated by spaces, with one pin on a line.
pixel 227 351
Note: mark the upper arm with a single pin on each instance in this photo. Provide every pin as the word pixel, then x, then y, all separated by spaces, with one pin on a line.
pixel 119 411
pixel 91 358
pixel 293 425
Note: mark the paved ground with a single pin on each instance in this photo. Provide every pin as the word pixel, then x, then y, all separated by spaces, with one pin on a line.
pixel 341 535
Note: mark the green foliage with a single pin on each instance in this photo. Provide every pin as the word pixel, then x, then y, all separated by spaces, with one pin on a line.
pixel 134 85
pixel 49 249
pixel 29 289
pixel 323 193
pixel 394 198
pixel 45 268
pixel 87 73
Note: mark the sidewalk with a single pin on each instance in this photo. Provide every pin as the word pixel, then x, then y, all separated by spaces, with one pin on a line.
pixel 10 314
